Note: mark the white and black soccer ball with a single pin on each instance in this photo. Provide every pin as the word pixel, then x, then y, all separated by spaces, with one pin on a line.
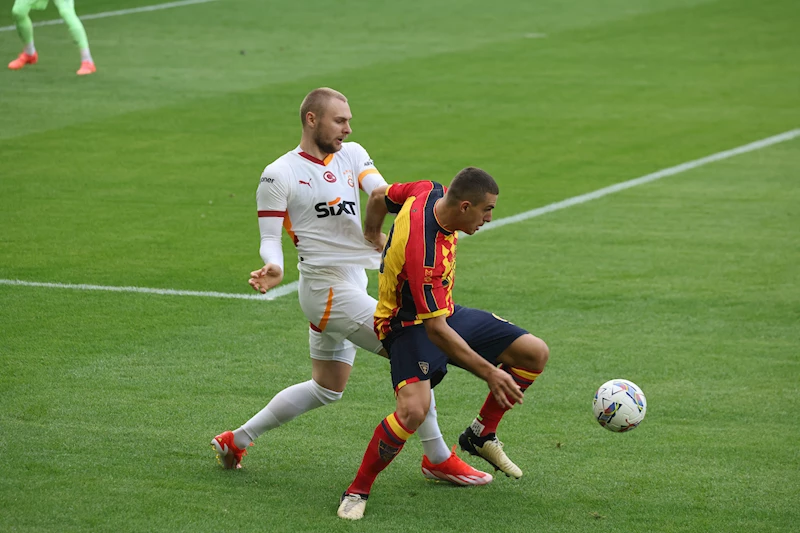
pixel 619 405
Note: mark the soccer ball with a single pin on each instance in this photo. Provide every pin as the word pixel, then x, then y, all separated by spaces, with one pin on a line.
pixel 619 405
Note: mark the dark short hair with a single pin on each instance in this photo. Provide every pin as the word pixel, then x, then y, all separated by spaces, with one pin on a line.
pixel 316 100
pixel 472 184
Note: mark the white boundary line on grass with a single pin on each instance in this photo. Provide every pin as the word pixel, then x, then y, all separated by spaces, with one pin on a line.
pixel 611 189
pixel 575 200
pixel 142 9
pixel 270 295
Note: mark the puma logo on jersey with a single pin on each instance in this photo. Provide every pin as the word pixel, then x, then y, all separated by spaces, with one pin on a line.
pixel 334 208
pixel 305 182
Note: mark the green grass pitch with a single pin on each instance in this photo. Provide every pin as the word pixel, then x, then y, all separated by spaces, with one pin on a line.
pixel 144 174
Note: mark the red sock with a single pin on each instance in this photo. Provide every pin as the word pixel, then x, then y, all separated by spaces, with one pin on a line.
pixel 492 412
pixel 387 441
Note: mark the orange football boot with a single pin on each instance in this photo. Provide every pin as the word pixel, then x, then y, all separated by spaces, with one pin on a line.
pixel 87 67
pixel 24 59
pixel 455 471
pixel 228 455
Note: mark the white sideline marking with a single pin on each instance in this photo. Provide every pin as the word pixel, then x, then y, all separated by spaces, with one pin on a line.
pixel 671 171
pixel 270 295
pixel 575 200
pixel 105 14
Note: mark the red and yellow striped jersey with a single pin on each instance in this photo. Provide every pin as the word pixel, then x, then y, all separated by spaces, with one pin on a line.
pixel 418 267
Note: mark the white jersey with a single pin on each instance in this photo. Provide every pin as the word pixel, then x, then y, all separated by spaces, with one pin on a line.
pixel 320 206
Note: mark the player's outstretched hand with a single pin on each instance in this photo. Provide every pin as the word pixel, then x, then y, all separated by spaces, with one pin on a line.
pixel 377 241
pixel 504 389
pixel 266 277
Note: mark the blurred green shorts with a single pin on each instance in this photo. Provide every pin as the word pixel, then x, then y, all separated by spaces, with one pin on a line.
pixel 32 4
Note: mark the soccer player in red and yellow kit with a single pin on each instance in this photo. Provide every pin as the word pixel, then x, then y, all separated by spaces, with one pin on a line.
pixel 423 330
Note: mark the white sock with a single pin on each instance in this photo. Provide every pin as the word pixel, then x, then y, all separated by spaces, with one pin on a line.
pixel 431 436
pixel 30 49
pixel 288 404
pixel 86 55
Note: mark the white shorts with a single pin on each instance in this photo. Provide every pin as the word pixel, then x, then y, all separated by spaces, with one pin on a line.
pixel 339 311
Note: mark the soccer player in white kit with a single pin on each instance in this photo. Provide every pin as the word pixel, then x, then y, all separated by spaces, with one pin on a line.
pixel 313 192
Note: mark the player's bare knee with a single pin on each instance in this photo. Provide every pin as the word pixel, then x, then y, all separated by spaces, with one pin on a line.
pixel 331 375
pixel 541 353
pixel 412 414
pixel 331 384
pixel 325 396
pixel 530 352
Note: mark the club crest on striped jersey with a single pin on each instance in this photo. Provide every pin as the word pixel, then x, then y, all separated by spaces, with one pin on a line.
pixel 329 177
pixel 424 367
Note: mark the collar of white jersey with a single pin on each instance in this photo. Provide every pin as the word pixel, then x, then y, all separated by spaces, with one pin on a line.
pixel 324 162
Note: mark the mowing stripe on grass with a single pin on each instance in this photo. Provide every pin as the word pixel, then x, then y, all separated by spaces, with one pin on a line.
pixel 575 200
pixel 611 189
pixel 270 295
pixel 105 14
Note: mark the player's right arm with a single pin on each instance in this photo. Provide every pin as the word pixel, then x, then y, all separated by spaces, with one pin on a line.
pixel 501 383
pixel 396 194
pixel 384 200
pixel 374 217
pixel 272 198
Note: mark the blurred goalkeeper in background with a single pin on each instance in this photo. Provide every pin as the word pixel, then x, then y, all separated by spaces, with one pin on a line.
pixel 66 8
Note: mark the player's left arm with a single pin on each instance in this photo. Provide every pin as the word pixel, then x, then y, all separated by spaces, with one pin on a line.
pixel 368 177
pixel 502 385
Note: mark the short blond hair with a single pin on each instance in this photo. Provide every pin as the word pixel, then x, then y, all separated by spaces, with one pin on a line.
pixel 316 100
